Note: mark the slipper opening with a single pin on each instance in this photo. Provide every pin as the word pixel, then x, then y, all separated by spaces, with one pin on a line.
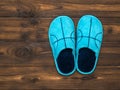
pixel 65 61
pixel 86 60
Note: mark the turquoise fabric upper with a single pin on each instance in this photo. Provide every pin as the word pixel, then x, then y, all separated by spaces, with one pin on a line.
pixel 61 36
pixel 89 35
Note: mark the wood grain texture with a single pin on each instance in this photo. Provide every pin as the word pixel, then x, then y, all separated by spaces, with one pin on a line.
pixel 26 61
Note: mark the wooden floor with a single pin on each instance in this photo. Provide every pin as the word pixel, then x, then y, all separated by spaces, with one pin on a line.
pixel 26 61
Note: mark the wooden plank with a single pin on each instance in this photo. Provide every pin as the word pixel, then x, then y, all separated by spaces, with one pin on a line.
pixel 26 61
pixel 28 9
pixel 61 6
pixel 44 22
pixel 39 72
pixel 54 13
pixel 65 1
pixel 36 78
pixel 27 36
pixel 105 59
pixel 33 54
pixel 39 33
pixel 11 29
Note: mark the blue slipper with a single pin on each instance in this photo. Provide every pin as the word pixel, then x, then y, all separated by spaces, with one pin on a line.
pixel 89 39
pixel 62 41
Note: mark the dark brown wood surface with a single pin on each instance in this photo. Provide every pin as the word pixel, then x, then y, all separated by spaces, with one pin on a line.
pixel 26 61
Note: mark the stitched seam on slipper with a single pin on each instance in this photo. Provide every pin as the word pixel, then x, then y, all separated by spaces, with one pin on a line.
pixel 94 38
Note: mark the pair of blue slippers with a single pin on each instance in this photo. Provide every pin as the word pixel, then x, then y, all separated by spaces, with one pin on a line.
pixel 75 49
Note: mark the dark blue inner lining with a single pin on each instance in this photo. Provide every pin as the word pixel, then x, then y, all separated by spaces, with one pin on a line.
pixel 86 59
pixel 65 61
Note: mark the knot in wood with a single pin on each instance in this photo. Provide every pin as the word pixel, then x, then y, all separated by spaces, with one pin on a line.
pixel 23 52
